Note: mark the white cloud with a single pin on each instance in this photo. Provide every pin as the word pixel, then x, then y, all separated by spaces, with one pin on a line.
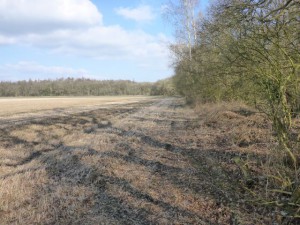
pixel 140 14
pixel 34 70
pixel 4 40
pixel 102 42
pixel 27 16
pixel 51 24
pixel 75 27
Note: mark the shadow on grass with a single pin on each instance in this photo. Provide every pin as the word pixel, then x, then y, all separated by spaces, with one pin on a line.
pixel 66 167
pixel 62 170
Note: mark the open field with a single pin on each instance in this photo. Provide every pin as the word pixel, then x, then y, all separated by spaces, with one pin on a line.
pixel 13 106
pixel 21 110
pixel 147 162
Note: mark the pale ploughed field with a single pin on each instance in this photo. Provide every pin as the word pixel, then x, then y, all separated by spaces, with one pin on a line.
pixel 12 106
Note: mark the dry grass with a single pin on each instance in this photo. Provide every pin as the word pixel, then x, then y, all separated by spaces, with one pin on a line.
pixel 141 163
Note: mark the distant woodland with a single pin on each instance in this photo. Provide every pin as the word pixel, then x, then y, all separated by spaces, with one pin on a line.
pixel 83 87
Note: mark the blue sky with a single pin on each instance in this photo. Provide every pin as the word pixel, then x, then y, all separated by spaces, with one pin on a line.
pixel 112 39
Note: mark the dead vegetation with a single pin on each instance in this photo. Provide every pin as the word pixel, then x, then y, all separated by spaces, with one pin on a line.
pixel 142 163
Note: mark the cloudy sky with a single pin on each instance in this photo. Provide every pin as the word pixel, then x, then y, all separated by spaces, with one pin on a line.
pixel 99 39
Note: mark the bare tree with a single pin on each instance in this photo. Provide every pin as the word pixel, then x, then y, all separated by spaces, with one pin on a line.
pixel 184 20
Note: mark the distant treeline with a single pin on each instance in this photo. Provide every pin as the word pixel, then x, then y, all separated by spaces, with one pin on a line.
pixel 83 87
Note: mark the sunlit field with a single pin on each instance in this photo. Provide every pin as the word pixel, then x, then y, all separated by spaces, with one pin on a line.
pixel 11 106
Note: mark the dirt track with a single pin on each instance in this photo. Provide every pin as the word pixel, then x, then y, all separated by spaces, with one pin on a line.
pixel 140 163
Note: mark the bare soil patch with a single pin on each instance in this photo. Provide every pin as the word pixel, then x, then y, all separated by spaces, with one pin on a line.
pixel 151 162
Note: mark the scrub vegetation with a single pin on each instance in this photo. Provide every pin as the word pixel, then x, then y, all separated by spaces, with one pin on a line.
pixel 248 51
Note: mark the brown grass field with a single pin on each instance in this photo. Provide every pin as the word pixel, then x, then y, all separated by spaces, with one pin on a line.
pixel 149 161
